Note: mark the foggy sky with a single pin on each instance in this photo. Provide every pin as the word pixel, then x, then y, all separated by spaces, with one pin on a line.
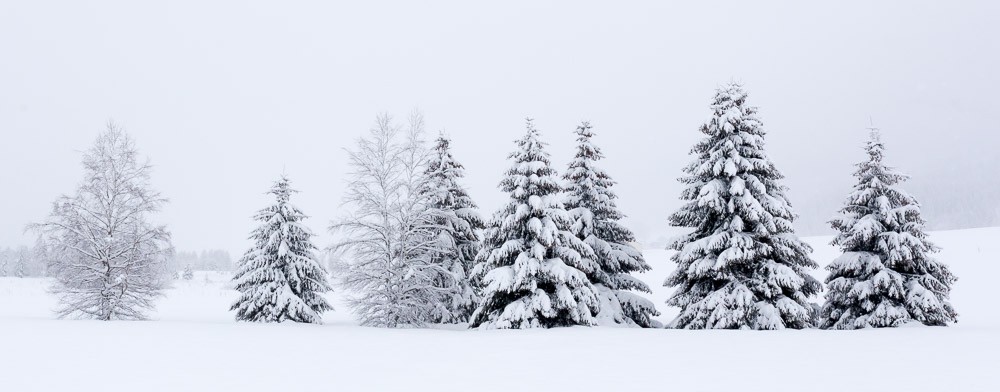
pixel 223 97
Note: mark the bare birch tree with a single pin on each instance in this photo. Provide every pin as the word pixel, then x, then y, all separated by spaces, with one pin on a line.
pixel 107 259
pixel 387 241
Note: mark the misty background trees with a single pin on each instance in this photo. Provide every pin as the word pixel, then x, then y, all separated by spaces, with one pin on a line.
pixel 22 261
pixel 29 261
pixel 206 260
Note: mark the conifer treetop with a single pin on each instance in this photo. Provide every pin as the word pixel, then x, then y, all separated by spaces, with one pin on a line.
pixel 587 183
pixel 456 226
pixel 742 266
pixel 886 276
pixel 877 204
pixel 280 278
pixel 535 269
pixel 590 202
pixel 732 165
pixel 282 190
pixel 445 172
pixel 532 172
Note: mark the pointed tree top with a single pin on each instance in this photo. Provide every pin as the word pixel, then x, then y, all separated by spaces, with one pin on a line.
pixel 584 147
pixel 442 161
pixel 584 131
pixel 874 146
pixel 531 146
pixel 732 114
pixel 282 189
pixel 532 132
pixel 731 91
pixel 443 142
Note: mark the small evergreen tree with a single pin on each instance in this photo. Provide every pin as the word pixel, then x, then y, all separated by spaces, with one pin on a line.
pixel 742 267
pixel 886 276
pixel 457 229
pixel 537 269
pixel 20 266
pixel 280 277
pixel 4 261
pixel 591 204
pixel 188 274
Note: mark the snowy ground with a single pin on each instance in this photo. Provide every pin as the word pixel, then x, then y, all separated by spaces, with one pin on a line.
pixel 193 345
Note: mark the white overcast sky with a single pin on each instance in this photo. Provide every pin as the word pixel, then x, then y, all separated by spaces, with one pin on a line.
pixel 223 96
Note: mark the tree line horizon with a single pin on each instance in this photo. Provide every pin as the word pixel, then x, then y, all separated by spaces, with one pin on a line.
pixel 412 249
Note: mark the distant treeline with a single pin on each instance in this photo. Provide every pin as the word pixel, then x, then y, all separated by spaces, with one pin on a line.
pixel 22 261
pixel 207 260
pixel 29 261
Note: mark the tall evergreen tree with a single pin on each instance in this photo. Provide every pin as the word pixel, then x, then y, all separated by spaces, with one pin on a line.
pixel 457 228
pixel 742 267
pixel 537 269
pixel 280 278
pixel 591 204
pixel 886 276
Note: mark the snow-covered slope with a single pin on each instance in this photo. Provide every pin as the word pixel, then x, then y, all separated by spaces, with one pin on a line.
pixel 193 345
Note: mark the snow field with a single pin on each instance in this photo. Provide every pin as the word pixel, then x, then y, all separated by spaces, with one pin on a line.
pixel 193 344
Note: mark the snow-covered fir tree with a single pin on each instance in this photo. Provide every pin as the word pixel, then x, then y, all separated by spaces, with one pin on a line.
pixel 20 266
pixel 105 255
pixel 536 269
pixel 188 274
pixel 886 276
pixel 742 267
pixel 591 204
pixel 388 242
pixel 280 278
pixel 458 226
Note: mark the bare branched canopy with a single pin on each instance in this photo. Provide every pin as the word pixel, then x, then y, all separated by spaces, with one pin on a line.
pixel 388 238
pixel 106 257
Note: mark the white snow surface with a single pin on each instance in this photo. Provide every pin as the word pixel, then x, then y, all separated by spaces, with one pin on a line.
pixel 193 344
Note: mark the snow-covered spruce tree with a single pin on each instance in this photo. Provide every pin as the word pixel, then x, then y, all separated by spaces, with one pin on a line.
pixel 886 276
pixel 742 267
pixel 591 204
pixel 458 226
pixel 280 278
pixel 19 265
pixel 188 274
pixel 104 254
pixel 536 269
pixel 387 243
pixel 4 262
